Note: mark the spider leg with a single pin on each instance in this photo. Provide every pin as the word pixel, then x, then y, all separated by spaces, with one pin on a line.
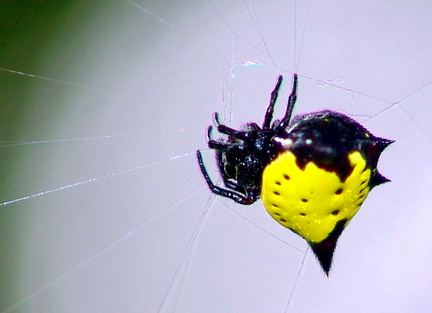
pixel 239 134
pixel 230 147
pixel 213 144
pixel 229 184
pixel 274 95
pixel 209 133
pixel 216 119
pixel 227 146
pixel 290 106
pixel 223 129
pixel 237 197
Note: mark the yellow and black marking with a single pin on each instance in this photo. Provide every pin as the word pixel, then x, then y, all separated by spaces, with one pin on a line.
pixel 314 202
pixel 313 172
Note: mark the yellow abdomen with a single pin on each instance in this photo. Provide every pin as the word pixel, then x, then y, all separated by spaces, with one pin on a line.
pixel 311 201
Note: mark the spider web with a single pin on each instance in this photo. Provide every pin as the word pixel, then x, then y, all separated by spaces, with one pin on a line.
pixel 103 207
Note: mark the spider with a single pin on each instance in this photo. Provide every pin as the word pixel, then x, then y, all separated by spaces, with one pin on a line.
pixel 312 172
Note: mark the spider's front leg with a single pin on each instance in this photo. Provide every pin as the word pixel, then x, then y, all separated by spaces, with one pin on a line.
pixel 224 146
pixel 238 134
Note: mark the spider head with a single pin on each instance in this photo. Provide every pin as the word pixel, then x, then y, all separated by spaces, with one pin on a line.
pixel 242 156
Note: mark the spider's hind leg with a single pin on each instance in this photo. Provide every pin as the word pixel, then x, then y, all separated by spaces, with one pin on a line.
pixel 290 106
pixel 273 98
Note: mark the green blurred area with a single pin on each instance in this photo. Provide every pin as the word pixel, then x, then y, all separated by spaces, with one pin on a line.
pixel 28 31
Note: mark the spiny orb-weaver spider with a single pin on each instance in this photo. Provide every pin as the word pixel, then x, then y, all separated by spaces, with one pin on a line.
pixel 312 173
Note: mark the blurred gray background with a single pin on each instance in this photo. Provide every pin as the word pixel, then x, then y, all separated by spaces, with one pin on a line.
pixel 103 104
